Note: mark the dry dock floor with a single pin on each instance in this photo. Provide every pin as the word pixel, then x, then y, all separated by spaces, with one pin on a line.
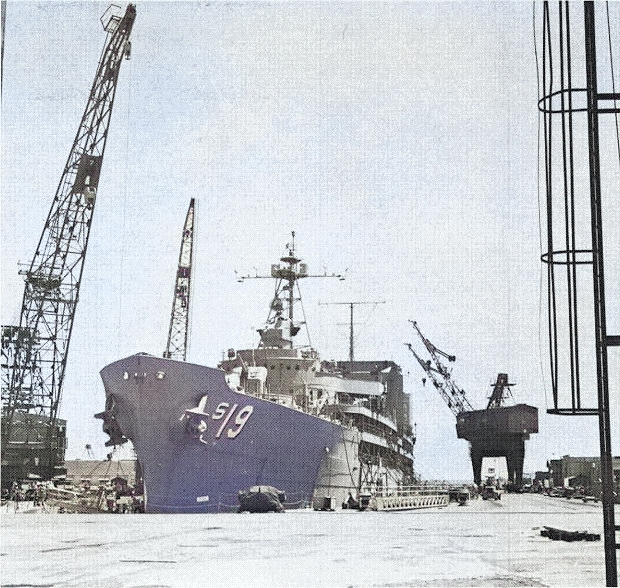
pixel 485 543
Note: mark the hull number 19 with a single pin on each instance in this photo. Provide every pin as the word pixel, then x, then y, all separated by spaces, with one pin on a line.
pixel 228 420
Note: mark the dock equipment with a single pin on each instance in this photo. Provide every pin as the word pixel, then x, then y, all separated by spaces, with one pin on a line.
pixel 408 498
pixel 579 104
pixel 496 431
pixel 562 535
pixel 34 353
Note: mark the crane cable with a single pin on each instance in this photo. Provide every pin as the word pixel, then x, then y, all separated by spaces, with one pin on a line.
pixel 125 175
pixel 613 81
pixel 545 114
pixel 567 170
pixel 538 195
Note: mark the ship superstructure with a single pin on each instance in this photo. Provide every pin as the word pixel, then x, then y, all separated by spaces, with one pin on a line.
pixel 365 396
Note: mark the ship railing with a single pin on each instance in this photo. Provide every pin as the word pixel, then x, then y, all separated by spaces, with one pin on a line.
pixel 405 491
pixel 369 421
pixel 284 399
pixel 228 503
pixel 371 428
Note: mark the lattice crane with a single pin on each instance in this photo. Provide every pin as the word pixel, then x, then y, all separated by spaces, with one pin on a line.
pixel 441 376
pixel 496 431
pixel 179 319
pixel 34 354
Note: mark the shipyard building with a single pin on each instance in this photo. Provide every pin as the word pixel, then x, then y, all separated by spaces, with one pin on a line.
pixel 582 472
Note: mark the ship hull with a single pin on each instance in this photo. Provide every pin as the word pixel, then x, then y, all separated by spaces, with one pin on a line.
pixel 199 442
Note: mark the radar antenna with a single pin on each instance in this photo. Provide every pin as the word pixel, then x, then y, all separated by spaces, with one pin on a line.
pixel 281 326
pixel 351 305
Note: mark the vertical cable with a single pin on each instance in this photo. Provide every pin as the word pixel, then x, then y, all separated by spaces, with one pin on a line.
pixel 613 81
pixel 538 164
pixel 547 112
pixel 571 251
pixel 565 173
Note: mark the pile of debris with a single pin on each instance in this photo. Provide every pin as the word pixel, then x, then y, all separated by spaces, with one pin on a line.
pixel 561 535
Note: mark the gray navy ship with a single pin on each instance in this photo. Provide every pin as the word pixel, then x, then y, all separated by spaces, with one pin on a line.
pixel 324 433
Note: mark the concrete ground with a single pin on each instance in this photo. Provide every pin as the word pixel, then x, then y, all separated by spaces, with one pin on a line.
pixel 485 543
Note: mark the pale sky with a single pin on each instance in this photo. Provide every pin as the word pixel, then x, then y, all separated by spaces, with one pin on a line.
pixel 397 139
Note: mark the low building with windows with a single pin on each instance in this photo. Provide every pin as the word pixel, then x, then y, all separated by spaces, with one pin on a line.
pixel 89 473
pixel 581 472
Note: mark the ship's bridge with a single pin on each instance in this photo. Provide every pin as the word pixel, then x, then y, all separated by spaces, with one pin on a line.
pixel 277 374
pixel 296 358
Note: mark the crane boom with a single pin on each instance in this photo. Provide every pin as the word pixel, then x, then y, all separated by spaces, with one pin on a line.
pixel 34 354
pixel 179 319
pixel 441 376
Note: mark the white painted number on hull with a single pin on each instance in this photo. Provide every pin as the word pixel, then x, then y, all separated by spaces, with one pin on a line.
pixel 197 426
pixel 242 417
pixel 222 406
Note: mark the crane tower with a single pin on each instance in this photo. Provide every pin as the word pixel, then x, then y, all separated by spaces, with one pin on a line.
pixel 497 431
pixel 179 319
pixel 34 353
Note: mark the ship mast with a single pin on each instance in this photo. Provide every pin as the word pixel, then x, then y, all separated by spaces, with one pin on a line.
pixel 351 305
pixel 281 326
